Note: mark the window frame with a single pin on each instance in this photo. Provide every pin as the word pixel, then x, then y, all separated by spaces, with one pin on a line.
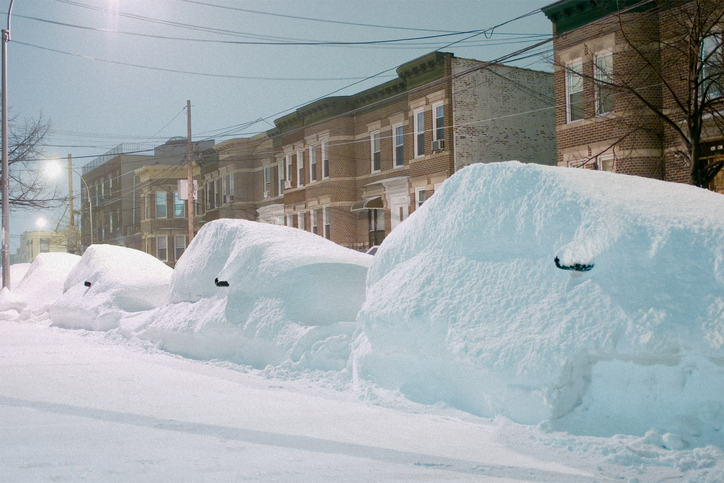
pixel 375 152
pixel 418 190
pixel 326 223
pixel 312 164
pixel 570 66
pixel 158 247
pixel 325 160
pixel 601 76
pixel 300 168
pixel 707 73
pixel 160 195
pixel 438 132
pixel 176 203
pixel 176 246
pixel 398 159
pixel 419 132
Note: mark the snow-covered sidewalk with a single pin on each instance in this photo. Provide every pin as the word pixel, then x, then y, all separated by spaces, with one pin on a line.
pixel 80 405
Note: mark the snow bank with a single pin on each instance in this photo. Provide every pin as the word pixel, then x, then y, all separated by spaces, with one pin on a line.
pixel 40 286
pixel 108 282
pixel 465 303
pixel 261 295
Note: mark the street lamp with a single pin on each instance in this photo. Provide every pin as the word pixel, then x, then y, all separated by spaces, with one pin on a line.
pixel 53 170
pixel 5 163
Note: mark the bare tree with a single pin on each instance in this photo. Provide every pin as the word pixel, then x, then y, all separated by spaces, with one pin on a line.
pixel 29 188
pixel 666 79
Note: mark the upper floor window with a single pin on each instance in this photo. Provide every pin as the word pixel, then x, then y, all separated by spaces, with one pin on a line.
pixel 375 148
pixel 574 91
pixel 439 122
pixel 161 204
pixel 312 164
pixel 289 169
pixel 325 160
pixel 419 133
pixel 179 207
pixel 280 170
pixel 712 67
pixel 603 71
pixel 398 141
pixel 300 168
pixel 231 187
pixel 267 181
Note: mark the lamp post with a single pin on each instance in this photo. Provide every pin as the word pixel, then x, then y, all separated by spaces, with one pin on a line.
pixel 87 192
pixel 52 170
pixel 5 163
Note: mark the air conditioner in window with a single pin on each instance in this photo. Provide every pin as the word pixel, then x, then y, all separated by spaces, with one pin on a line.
pixel 287 185
pixel 267 194
pixel 438 145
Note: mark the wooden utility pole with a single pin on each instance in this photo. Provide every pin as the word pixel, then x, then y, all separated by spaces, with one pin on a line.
pixel 70 191
pixel 190 174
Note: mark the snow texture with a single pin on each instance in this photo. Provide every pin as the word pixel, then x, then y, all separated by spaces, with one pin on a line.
pixel 465 304
pixel 109 282
pixel 37 286
pixel 260 295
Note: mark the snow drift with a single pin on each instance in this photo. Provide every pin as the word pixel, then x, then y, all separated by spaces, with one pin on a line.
pixel 108 282
pixel 261 295
pixel 466 303
pixel 39 285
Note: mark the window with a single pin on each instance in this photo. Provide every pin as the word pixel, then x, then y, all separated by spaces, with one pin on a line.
pixel 231 187
pixel 300 168
pixel 289 169
pixel 290 221
pixel 325 159
pixel 605 163
pixel 399 152
pixel 267 181
pixel 160 204
pixel 300 220
pixel 280 171
pixel 224 189
pixel 574 91
pixel 376 219
pixel 375 147
pixel 420 196
pixel 439 122
pixel 179 206
pixel 326 222
pixel 110 222
pixel 312 164
pixel 179 245
pixel 162 248
pixel 419 133
pixel 217 193
pixel 313 221
pixel 712 68
pixel 208 195
pixel 44 245
pixel 603 71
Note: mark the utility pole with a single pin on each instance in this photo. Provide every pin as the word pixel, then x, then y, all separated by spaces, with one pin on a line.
pixel 190 174
pixel 70 191
pixel 5 162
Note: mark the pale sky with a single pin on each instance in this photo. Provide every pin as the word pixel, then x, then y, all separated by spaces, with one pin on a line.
pixel 106 72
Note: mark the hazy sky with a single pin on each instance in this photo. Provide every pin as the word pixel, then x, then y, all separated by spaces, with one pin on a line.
pixel 106 72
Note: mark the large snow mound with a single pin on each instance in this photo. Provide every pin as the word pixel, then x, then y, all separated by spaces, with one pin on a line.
pixel 260 294
pixel 108 282
pixel 465 304
pixel 40 286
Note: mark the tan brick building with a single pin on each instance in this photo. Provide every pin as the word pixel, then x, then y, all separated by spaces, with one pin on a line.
pixel 601 126
pixel 352 168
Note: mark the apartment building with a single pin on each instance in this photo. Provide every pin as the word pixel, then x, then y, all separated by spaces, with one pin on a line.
pixel 615 66
pixel 33 243
pixel 351 168
pixel 134 198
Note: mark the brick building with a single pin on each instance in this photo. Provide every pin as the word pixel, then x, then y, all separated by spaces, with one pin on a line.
pixel 134 197
pixel 351 168
pixel 600 46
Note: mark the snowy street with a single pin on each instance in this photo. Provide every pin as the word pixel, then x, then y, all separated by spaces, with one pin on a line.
pixel 77 406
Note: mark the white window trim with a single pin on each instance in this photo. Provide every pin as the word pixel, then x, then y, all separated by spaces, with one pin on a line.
pixel 394 146
pixel 300 168
pixel 288 169
pixel 312 164
pixel 313 221
pixel 417 196
pixel 569 67
pixel 596 76
pixel 434 121
pixel 372 151
pixel 176 247
pixel 417 132
pixel 158 255
pixel 326 222
pixel 280 173
pixel 300 220
pixel 325 157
